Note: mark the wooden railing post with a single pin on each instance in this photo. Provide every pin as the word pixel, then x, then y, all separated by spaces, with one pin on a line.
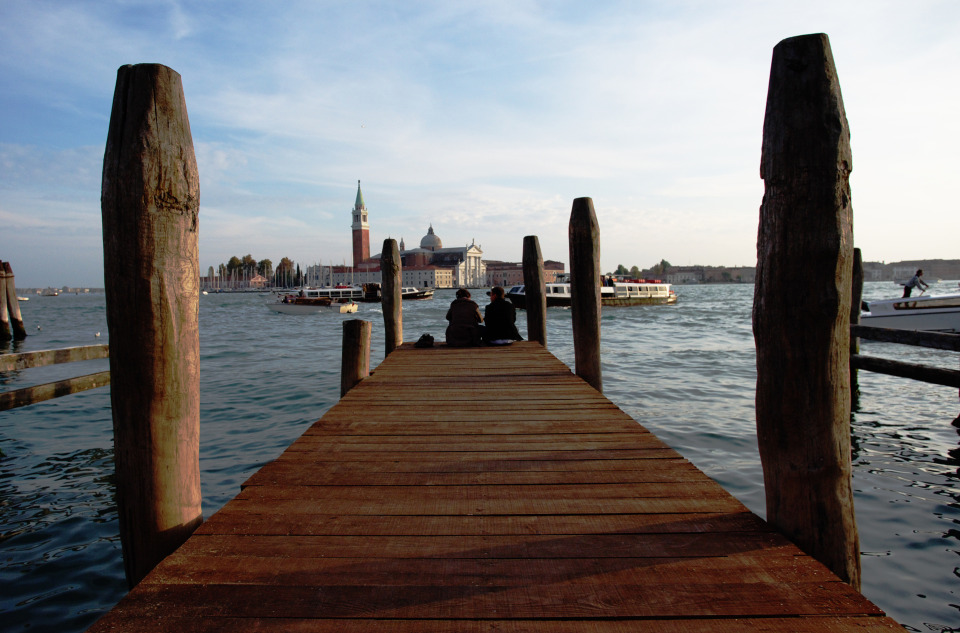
pixel 585 278
pixel 150 205
pixel 355 359
pixel 5 334
pixel 535 290
pixel 390 292
pixel 801 310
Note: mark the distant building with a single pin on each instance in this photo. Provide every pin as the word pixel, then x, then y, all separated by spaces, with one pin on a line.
pixel 511 273
pixel 361 230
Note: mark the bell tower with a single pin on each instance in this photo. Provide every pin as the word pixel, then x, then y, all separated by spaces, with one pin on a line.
pixel 361 230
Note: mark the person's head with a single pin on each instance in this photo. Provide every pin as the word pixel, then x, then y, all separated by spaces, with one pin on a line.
pixel 920 271
pixel 495 293
pixel 463 293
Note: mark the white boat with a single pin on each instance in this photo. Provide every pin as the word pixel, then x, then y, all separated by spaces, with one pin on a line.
pixel 933 313
pixel 627 292
pixel 314 300
pixel 371 293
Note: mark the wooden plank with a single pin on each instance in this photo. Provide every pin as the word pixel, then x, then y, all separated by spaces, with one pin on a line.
pixel 935 340
pixel 42 358
pixel 395 515
pixel 933 375
pixel 50 390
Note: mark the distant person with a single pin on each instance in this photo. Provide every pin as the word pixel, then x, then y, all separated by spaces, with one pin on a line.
pixel 915 282
pixel 464 317
pixel 500 320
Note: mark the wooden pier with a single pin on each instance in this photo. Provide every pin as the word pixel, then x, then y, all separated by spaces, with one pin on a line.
pixel 486 489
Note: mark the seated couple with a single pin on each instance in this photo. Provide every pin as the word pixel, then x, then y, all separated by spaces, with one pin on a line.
pixel 467 328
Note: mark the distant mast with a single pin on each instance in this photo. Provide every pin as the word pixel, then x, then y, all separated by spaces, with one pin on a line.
pixel 361 230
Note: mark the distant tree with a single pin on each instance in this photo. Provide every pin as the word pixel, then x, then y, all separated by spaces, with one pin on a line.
pixel 661 269
pixel 635 272
pixel 249 265
pixel 621 270
pixel 265 268
pixel 284 276
pixel 726 275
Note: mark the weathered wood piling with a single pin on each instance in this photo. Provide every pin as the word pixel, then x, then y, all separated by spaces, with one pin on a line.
pixel 355 356
pixel 11 321
pixel 150 206
pixel 534 290
pixel 802 302
pixel 391 295
pixel 585 281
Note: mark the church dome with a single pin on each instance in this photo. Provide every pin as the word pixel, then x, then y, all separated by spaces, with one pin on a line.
pixel 430 241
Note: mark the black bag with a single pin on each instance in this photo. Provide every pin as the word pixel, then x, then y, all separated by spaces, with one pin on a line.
pixel 424 341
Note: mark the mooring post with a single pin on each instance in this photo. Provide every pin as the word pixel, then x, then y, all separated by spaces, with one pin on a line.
pixel 856 301
pixel 534 290
pixel 355 359
pixel 801 309
pixel 13 304
pixel 585 278
pixel 5 334
pixel 391 300
pixel 150 205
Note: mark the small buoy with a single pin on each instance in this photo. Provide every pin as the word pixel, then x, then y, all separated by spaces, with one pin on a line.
pixel 97 334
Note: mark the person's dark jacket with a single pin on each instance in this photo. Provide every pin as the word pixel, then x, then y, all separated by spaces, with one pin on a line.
pixel 464 316
pixel 500 319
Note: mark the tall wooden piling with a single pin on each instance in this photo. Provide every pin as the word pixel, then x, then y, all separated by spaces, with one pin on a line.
pixel 535 290
pixel 13 304
pixel 801 310
pixel 585 279
pixel 390 292
pixel 355 357
pixel 5 334
pixel 150 204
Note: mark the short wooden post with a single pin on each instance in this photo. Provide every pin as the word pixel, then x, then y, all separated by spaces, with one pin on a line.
pixel 585 279
pixel 391 302
pixel 150 205
pixel 535 290
pixel 801 309
pixel 13 304
pixel 355 359
pixel 856 299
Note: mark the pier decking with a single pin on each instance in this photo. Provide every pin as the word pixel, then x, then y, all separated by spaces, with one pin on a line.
pixel 486 489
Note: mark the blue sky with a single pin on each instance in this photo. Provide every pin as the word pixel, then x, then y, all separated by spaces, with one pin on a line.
pixel 485 119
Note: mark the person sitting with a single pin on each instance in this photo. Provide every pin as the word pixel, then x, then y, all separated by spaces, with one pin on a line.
pixel 915 282
pixel 464 317
pixel 500 319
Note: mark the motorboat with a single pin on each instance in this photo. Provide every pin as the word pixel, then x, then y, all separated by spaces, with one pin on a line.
pixel 614 292
pixel 372 293
pixel 314 300
pixel 933 313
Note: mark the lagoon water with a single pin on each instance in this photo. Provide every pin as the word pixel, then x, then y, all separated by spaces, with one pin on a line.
pixel 687 372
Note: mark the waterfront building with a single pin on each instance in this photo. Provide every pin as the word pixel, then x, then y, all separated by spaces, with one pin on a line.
pixel 361 230
pixel 508 274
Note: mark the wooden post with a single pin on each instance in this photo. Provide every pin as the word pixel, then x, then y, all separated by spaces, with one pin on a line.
pixel 150 204
pixel 5 334
pixel 535 290
pixel 856 299
pixel 801 309
pixel 391 302
pixel 585 279
pixel 13 305
pixel 355 359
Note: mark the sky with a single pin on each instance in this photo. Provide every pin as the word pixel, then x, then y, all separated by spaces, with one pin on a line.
pixel 483 119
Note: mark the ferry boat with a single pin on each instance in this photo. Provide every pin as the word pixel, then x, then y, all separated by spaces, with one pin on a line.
pixel 933 313
pixel 371 293
pixel 615 292
pixel 314 300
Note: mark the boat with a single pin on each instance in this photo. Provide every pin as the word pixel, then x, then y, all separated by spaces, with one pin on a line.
pixel 932 313
pixel 23 298
pixel 615 292
pixel 314 300
pixel 371 293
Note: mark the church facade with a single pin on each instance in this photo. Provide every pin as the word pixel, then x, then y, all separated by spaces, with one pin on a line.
pixel 429 265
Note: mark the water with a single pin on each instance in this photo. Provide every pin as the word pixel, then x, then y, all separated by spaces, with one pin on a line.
pixel 687 372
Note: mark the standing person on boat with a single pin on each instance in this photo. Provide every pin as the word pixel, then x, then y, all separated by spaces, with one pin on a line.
pixel 464 317
pixel 915 282
pixel 500 320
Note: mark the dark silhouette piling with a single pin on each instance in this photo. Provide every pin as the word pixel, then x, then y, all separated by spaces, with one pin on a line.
pixel 391 299
pixel 535 290
pixel 585 279
pixel 802 303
